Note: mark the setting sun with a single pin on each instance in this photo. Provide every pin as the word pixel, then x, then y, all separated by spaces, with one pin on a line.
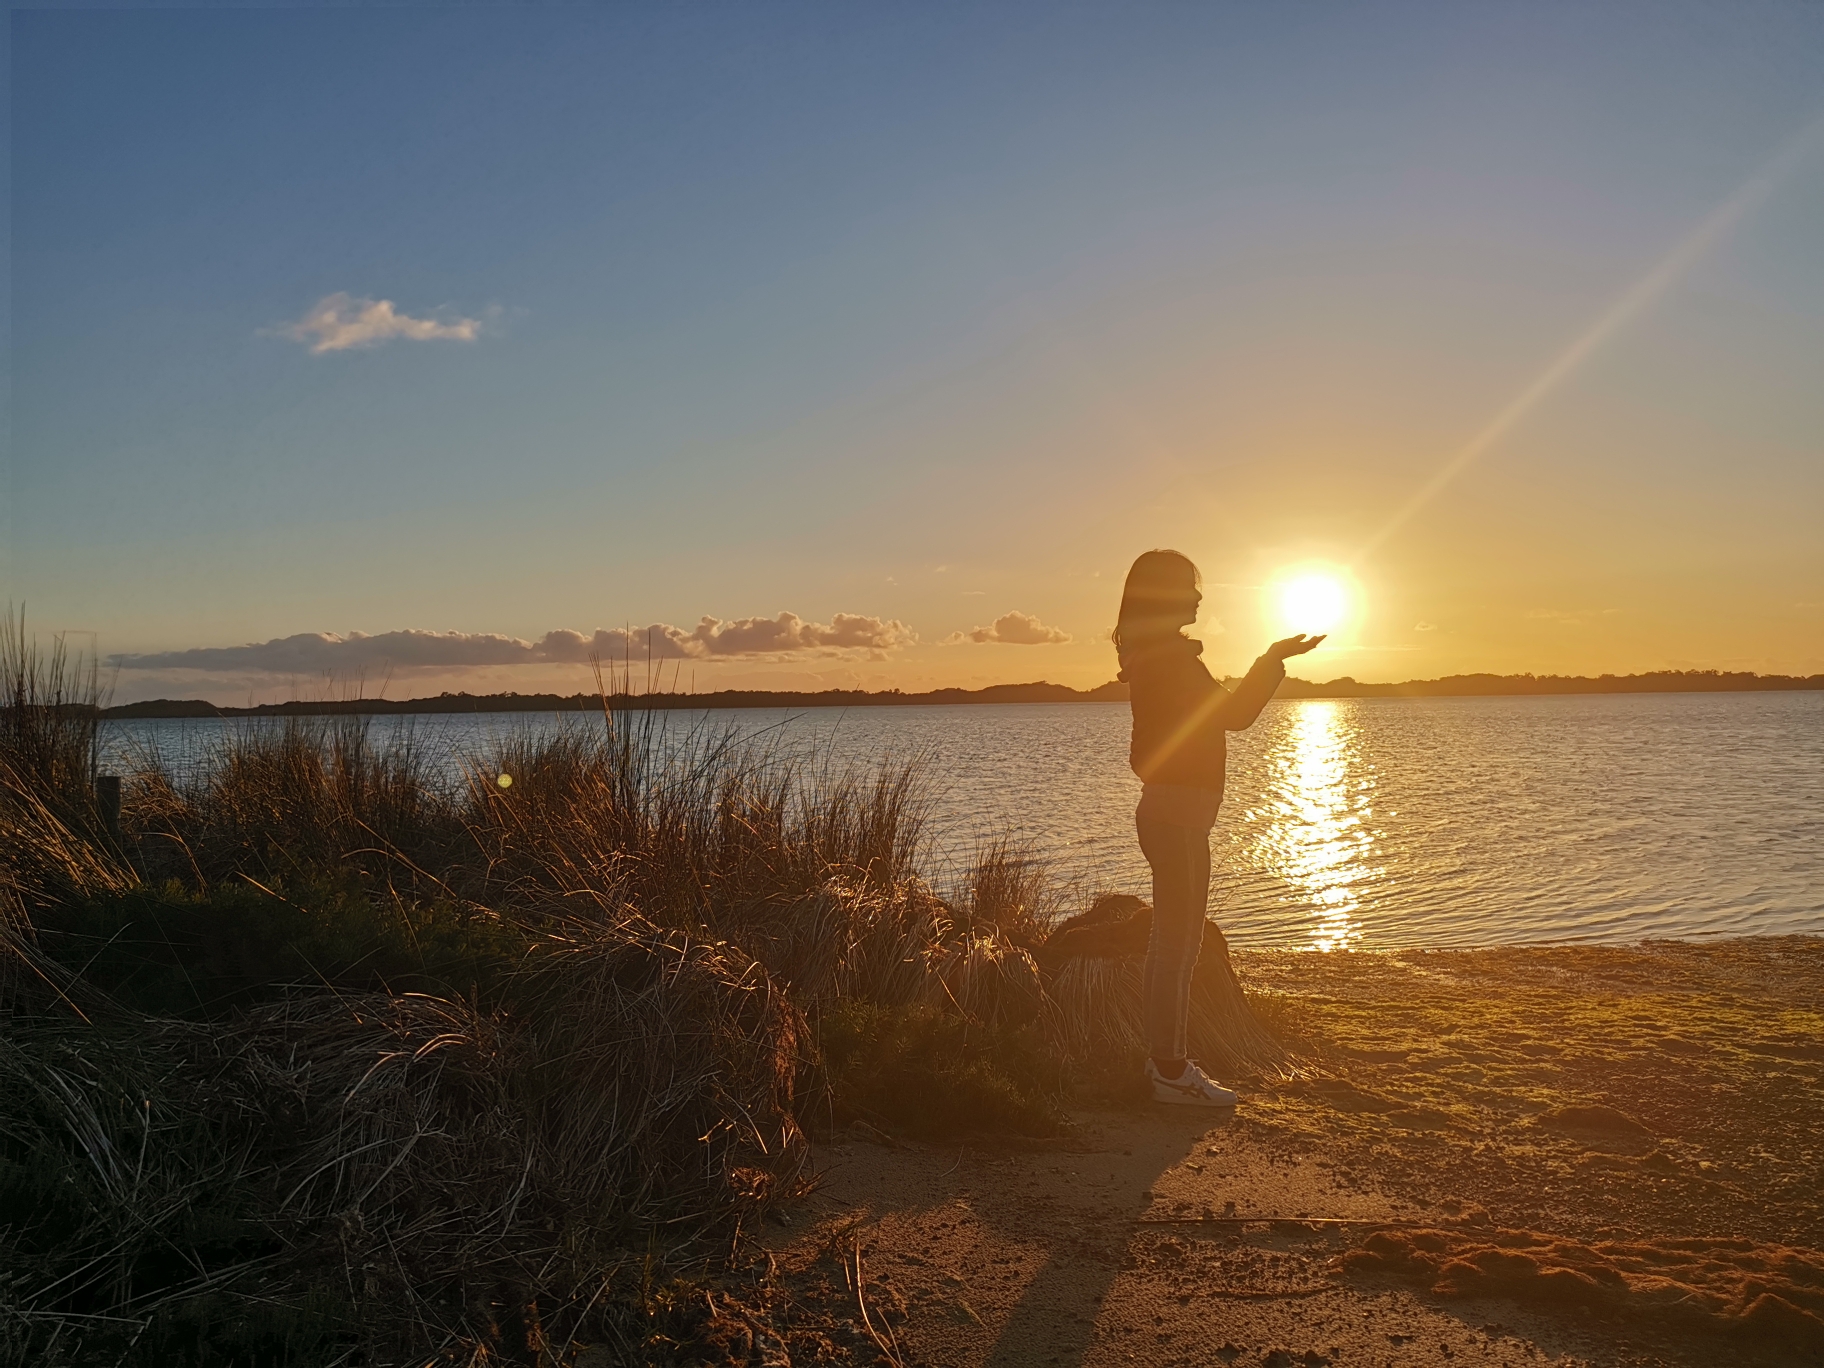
pixel 1313 602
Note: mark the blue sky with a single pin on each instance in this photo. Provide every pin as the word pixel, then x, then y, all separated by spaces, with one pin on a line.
pixel 925 316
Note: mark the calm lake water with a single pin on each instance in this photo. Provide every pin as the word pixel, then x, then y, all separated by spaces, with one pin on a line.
pixel 1367 823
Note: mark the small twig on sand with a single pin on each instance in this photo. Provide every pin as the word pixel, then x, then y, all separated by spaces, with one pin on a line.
pixel 889 1344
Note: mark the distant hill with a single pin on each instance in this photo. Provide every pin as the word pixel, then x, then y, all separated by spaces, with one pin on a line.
pixel 1489 685
pixel 1451 686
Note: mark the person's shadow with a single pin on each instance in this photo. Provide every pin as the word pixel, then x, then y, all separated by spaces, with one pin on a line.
pixel 1055 1319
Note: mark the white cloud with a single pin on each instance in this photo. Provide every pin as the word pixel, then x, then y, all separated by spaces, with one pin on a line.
pixel 339 322
pixel 1012 629
pixel 317 653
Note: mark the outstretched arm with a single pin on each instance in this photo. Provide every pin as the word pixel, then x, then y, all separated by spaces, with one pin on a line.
pixel 1240 709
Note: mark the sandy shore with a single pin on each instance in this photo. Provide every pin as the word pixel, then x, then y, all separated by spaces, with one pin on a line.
pixel 1607 1156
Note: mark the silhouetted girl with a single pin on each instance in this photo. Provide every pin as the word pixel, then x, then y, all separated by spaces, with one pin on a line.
pixel 1179 751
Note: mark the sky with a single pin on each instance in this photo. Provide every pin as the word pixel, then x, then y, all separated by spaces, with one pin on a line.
pixel 412 349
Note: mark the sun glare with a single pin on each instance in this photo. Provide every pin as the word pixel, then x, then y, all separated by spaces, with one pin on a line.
pixel 1313 602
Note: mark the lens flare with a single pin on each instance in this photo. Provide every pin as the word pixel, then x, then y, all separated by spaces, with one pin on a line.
pixel 1664 276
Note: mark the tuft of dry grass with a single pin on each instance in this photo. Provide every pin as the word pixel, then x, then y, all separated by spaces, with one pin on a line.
pixel 289 799
pixel 50 716
pixel 227 1133
pixel 1098 1011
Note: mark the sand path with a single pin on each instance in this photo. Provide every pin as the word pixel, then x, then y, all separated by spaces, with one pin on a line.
pixel 1103 1252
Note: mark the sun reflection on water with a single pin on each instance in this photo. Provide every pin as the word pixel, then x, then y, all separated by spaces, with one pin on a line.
pixel 1313 829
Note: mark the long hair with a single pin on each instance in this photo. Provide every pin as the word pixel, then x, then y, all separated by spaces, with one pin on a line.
pixel 1157 587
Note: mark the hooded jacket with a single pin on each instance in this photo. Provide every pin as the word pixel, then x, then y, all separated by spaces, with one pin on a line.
pixel 1181 714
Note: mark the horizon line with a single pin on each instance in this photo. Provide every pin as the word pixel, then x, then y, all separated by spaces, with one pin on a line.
pixel 1476 684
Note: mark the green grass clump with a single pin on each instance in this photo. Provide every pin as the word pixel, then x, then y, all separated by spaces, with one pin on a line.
pixel 931 1073
pixel 171 951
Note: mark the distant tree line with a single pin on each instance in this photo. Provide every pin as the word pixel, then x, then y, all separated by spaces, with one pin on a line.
pixel 1488 685
pixel 1451 686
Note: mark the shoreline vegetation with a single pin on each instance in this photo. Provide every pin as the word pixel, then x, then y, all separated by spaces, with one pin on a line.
pixel 1450 686
pixel 312 1058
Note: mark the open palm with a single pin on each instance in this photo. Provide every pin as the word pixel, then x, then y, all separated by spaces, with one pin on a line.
pixel 1294 645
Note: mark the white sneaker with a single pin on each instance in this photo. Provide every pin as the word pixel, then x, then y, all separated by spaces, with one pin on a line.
pixel 1192 1088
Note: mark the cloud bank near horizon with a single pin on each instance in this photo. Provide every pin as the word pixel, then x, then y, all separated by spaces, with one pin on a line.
pixel 341 322
pixel 319 653
pixel 1012 629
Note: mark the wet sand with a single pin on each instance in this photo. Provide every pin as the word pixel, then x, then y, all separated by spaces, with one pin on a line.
pixel 1608 1156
